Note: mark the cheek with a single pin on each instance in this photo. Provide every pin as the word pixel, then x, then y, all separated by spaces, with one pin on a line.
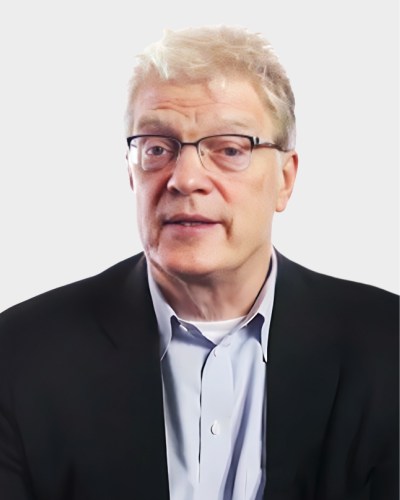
pixel 148 192
pixel 254 208
pixel 150 185
pixel 144 191
pixel 143 209
pixel 258 196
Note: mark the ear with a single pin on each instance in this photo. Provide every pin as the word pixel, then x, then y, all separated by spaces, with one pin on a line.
pixel 288 176
pixel 130 173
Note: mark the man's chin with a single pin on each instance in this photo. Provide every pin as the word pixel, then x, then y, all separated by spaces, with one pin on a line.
pixel 185 267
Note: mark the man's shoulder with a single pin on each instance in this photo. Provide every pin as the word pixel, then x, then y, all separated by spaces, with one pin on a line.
pixel 73 300
pixel 351 304
pixel 331 287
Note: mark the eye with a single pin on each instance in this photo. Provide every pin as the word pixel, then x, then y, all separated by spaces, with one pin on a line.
pixel 227 152
pixel 155 151
pixel 231 151
pixel 156 146
pixel 228 146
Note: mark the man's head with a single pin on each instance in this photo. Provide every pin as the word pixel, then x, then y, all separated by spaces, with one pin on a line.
pixel 212 54
pixel 205 210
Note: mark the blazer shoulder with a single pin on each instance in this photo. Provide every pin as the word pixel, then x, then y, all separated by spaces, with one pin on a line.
pixel 322 287
pixel 69 303
pixel 112 274
pixel 356 312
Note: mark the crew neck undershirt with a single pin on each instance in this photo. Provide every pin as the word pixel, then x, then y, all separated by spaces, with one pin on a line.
pixel 215 331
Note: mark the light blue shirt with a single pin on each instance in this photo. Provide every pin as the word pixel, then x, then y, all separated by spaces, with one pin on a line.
pixel 215 400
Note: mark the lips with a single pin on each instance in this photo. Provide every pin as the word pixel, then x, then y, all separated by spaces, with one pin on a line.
pixel 189 224
pixel 189 220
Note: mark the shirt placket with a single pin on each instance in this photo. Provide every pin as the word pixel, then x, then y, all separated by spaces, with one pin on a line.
pixel 217 401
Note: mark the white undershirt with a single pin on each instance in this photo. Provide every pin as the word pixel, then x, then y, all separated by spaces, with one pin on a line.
pixel 215 331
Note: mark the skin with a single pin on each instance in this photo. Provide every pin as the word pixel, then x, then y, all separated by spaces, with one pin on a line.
pixel 213 270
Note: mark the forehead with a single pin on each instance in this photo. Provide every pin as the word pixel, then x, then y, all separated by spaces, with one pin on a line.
pixel 216 106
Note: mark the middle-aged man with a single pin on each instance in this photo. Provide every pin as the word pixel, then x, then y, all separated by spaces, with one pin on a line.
pixel 210 367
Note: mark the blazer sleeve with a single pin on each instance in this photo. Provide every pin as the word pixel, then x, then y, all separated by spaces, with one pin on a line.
pixel 384 481
pixel 15 483
pixel 13 474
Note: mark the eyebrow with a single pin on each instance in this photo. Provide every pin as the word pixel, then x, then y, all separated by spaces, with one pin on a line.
pixel 154 124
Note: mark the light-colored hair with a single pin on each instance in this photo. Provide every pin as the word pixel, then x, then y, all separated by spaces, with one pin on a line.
pixel 204 54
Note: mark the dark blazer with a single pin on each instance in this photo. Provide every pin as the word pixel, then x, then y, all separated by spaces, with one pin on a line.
pixel 81 412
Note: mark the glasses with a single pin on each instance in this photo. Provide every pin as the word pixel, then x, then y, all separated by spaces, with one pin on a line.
pixel 225 152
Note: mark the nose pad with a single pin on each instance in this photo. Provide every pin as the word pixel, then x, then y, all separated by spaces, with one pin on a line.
pixel 202 156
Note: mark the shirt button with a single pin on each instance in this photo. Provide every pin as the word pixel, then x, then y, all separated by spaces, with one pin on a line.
pixel 216 428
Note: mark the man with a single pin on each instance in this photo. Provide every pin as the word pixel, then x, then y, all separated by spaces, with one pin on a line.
pixel 211 367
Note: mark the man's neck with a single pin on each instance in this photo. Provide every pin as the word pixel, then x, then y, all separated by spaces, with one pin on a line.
pixel 224 295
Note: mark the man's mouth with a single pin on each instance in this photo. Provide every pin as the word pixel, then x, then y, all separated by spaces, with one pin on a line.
pixel 189 220
pixel 190 223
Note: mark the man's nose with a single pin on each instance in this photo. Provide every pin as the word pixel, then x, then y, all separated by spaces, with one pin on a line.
pixel 189 175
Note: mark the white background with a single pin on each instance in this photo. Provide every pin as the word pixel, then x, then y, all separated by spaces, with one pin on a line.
pixel 65 205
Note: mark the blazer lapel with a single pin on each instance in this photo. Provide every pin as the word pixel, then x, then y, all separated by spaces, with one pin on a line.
pixel 302 379
pixel 125 309
pixel 125 313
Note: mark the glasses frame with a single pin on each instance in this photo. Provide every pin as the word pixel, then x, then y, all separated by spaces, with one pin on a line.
pixel 255 142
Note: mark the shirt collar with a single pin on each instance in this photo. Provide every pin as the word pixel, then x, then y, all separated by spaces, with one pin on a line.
pixel 263 306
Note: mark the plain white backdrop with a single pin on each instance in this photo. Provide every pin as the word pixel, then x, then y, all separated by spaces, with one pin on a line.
pixel 66 208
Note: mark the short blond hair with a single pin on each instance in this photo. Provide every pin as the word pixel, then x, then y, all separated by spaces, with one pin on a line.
pixel 206 53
